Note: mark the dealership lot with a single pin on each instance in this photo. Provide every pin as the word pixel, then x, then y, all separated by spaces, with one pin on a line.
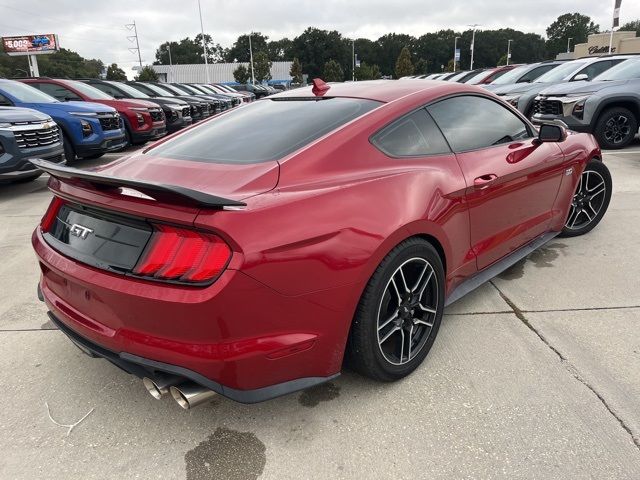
pixel 535 375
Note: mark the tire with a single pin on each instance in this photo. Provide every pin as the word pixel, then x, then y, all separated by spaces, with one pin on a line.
pixel 376 351
pixel 27 179
pixel 590 201
pixel 93 157
pixel 69 152
pixel 616 128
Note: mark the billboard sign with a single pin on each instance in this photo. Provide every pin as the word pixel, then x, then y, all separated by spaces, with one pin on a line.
pixel 31 44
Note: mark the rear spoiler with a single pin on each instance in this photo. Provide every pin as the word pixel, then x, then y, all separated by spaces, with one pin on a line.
pixel 153 189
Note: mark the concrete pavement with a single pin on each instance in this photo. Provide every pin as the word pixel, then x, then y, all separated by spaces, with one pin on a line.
pixel 535 375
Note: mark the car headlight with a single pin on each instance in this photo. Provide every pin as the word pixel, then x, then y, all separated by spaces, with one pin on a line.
pixel 140 119
pixel 512 99
pixel 84 114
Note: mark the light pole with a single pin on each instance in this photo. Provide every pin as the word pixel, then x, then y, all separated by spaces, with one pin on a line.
pixel 509 51
pixel 170 63
pixel 569 44
pixel 253 78
pixel 455 52
pixel 473 41
pixel 204 45
pixel 353 58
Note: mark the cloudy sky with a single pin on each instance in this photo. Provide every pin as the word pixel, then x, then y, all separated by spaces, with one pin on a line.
pixel 96 29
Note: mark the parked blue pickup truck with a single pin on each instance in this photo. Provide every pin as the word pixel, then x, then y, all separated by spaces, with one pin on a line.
pixel 88 129
pixel 27 134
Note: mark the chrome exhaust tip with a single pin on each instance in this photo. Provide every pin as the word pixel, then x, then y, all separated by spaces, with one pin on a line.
pixel 159 386
pixel 189 394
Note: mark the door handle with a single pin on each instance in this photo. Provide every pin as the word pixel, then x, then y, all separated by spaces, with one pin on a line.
pixel 484 180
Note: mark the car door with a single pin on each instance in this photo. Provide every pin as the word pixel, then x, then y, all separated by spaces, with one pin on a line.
pixel 512 180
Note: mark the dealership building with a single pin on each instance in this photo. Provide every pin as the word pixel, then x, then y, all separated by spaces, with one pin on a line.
pixel 218 72
pixel 598 44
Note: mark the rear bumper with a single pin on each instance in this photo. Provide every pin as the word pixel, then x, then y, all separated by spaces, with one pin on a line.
pixel 144 367
pixel 237 337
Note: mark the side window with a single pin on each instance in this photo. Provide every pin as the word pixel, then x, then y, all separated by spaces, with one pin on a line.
pixel 56 91
pixel 108 89
pixel 414 135
pixel 595 69
pixel 5 102
pixel 473 122
pixel 535 73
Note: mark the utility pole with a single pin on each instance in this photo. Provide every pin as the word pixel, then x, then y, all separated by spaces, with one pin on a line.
pixel 253 78
pixel 204 45
pixel 455 53
pixel 569 44
pixel 509 51
pixel 473 41
pixel 132 27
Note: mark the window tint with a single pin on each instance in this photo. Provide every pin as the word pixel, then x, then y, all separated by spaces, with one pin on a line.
pixel 413 135
pixel 123 87
pixel 595 69
pixel 622 71
pixel 108 89
pixel 534 73
pixel 471 122
pixel 265 130
pixel 56 91
pixel 4 101
pixel 24 93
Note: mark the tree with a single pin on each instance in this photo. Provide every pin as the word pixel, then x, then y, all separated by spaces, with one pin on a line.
pixel 114 72
pixel 315 47
pixel 262 66
pixel 570 25
pixel 62 64
pixel 631 27
pixel 367 72
pixel 241 74
pixel 404 66
pixel 421 67
pixel 239 52
pixel 280 50
pixel 147 74
pixel 389 47
pixel 333 72
pixel 188 51
pixel 296 71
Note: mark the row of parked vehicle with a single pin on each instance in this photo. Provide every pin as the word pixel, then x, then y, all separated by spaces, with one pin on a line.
pixel 598 95
pixel 61 120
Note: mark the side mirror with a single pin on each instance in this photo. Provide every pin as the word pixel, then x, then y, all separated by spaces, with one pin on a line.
pixel 118 96
pixel 581 76
pixel 551 133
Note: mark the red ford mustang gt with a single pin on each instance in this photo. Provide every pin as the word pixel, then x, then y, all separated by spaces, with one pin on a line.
pixel 248 255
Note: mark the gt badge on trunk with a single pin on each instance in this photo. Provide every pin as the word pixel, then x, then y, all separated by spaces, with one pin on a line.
pixel 80 231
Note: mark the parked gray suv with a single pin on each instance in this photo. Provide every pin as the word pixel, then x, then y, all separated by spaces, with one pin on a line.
pixel 26 134
pixel 522 95
pixel 608 107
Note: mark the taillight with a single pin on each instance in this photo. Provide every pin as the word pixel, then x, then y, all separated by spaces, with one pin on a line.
pixel 183 255
pixel 52 212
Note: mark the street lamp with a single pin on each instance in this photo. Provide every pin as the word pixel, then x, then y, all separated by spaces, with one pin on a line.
pixel 204 45
pixel 509 51
pixel 473 41
pixel 569 44
pixel 455 53
pixel 170 63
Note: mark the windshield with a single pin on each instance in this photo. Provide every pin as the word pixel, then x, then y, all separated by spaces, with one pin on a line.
pixel 177 90
pixel 476 79
pixel 189 90
pixel 26 93
pixel 456 76
pixel 135 93
pixel 512 75
pixel 623 71
pixel 88 91
pixel 263 131
pixel 160 91
pixel 560 73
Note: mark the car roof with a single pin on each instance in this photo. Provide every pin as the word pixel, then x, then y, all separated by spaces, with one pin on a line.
pixel 379 90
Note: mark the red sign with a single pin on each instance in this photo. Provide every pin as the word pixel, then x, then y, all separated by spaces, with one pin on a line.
pixel 31 44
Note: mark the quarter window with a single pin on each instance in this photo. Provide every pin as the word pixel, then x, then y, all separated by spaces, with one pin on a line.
pixel 413 135
pixel 473 122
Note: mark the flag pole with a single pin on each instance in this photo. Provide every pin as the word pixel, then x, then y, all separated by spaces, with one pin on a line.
pixel 616 21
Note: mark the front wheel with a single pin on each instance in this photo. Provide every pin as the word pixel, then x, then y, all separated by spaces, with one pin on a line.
pixel 590 201
pixel 616 128
pixel 399 313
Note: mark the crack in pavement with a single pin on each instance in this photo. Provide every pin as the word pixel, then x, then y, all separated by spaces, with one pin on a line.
pixel 572 369
pixel 551 310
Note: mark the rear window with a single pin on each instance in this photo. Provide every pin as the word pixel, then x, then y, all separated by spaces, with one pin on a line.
pixel 266 130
